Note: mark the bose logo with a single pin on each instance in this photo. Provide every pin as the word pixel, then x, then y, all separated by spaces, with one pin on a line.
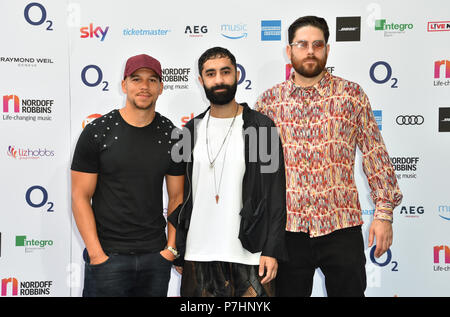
pixel 410 120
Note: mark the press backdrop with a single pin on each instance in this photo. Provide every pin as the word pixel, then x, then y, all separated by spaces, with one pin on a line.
pixel 61 65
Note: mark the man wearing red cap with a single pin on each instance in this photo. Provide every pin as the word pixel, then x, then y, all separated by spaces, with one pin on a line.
pixel 120 162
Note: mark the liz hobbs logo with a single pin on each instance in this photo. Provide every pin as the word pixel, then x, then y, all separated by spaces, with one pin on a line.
pixel 20 153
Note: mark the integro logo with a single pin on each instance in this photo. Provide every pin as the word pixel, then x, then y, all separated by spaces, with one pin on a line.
pixel 442 70
pixel 90 32
pixel 392 28
pixel 10 287
pixel 234 31
pixel 28 154
pixel 31 245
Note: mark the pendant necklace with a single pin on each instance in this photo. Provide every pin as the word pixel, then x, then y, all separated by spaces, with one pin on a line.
pixel 212 162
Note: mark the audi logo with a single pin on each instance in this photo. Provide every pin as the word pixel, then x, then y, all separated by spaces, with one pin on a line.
pixel 410 120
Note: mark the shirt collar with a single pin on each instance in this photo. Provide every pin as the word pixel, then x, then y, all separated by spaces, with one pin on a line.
pixel 320 87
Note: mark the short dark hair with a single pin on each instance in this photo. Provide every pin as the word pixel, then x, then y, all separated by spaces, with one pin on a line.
pixel 309 20
pixel 215 52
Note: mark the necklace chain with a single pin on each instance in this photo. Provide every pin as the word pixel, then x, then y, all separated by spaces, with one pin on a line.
pixel 212 162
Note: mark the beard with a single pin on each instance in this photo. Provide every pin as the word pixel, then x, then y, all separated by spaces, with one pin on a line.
pixel 221 98
pixel 309 70
pixel 140 105
pixel 143 107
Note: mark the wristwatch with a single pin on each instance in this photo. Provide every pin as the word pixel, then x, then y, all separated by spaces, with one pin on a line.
pixel 174 251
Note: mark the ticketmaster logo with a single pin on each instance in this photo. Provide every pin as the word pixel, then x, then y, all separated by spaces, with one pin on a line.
pixel 145 32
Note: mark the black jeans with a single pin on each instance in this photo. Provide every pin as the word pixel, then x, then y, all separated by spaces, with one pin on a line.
pixel 339 255
pixel 127 275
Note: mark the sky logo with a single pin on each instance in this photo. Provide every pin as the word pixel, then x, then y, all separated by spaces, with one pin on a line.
pixel 234 31
pixel 271 30
pixel 437 251
pixel 15 103
pixel 89 31
pixel 438 67
pixel 14 286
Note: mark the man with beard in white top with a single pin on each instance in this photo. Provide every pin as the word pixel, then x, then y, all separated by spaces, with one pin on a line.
pixel 230 227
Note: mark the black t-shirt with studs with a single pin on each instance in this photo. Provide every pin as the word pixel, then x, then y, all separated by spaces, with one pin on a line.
pixel 131 163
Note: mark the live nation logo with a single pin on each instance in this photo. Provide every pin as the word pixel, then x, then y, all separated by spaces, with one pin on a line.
pixel 438 26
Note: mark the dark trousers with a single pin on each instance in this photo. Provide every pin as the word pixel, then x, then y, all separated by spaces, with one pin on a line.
pixel 127 275
pixel 339 255
pixel 223 279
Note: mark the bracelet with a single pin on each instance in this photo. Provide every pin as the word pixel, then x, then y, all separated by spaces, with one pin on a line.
pixel 175 253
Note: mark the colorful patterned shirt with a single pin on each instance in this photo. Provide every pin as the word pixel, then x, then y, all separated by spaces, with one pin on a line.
pixel 320 127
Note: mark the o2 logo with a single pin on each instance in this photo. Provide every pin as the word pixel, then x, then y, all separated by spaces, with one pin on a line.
pixel 99 76
pixel 386 262
pixel 35 200
pixel 387 77
pixel 242 78
pixel 38 19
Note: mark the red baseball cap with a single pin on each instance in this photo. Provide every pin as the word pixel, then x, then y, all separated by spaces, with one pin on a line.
pixel 141 61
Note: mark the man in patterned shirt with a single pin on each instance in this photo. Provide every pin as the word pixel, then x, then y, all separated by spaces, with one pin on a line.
pixel 322 118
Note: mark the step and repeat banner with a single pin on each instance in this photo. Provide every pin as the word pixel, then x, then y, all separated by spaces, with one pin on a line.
pixel 61 66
